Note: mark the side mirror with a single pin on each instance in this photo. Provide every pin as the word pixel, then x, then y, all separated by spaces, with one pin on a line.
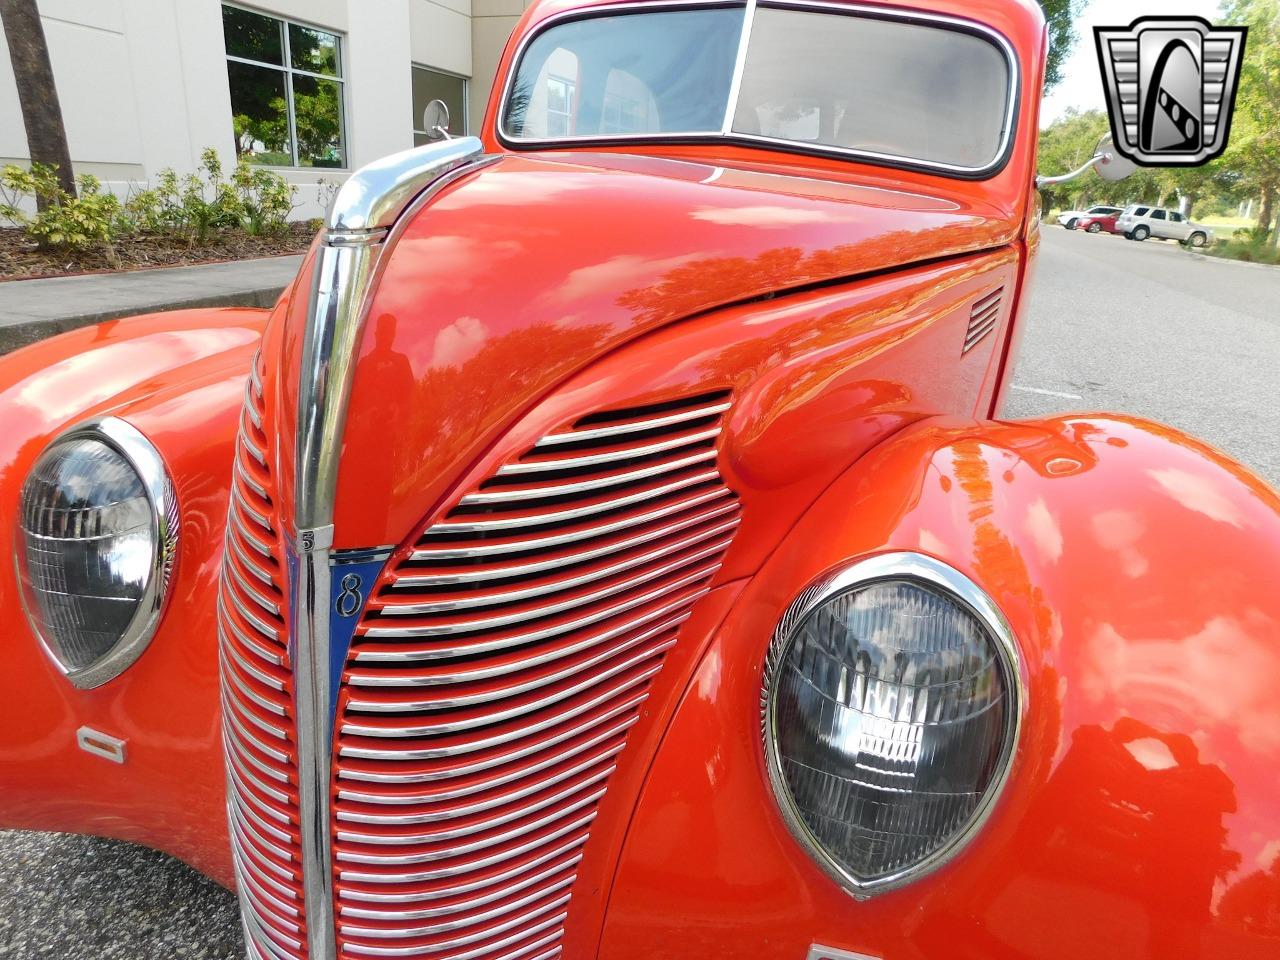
pixel 435 121
pixel 1109 164
pixel 1112 166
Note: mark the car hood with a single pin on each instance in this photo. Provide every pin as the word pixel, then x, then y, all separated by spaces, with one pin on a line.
pixel 525 272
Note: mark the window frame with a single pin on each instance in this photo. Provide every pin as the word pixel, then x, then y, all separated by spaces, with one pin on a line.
pixel 726 134
pixel 288 69
pixel 466 98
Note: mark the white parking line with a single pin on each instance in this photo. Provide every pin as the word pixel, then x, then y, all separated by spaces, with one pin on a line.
pixel 1047 393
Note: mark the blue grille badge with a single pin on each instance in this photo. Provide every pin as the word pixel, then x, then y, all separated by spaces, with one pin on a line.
pixel 353 574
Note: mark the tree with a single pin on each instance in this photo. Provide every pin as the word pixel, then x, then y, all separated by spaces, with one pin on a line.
pixel 1255 135
pixel 37 93
pixel 1060 15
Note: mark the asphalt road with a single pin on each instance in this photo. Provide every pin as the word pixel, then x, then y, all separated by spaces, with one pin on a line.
pixel 1139 328
pixel 1152 330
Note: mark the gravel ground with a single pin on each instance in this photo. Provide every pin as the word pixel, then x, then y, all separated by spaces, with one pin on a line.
pixel 1114 325
pixel 82 898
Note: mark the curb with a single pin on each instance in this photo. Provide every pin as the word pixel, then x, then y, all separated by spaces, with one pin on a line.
pixel 25 332
pixel 31 310
pixel 1238 263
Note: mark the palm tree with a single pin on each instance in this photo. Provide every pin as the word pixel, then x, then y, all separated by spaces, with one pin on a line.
pixel 37 94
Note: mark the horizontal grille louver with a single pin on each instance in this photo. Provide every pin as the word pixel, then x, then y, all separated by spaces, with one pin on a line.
pixel 495 675
pixel 257 703
pixel 983 318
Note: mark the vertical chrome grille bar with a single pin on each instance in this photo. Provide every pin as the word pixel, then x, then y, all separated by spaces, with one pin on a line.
pixel 364 212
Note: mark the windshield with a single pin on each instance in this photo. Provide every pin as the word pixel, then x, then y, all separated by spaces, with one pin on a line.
pixel 922 93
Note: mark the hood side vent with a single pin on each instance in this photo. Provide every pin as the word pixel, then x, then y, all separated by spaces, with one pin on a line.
pixel 983 318
pixel 496 674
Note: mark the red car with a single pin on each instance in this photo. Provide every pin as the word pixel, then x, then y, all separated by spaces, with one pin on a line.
pixel 1099 224
pixel 607 547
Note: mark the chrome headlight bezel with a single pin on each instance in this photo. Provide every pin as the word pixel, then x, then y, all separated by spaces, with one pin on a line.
pixel 938 576
pixel 145 460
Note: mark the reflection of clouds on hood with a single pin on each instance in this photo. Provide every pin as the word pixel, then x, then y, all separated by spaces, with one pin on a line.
pixel 524 186
pixel 765 216
pixel 1198 494
pixel 81 381
pixel 450 257
pixel 1218 675
pixel 1118 531
pixel 617 273
pixel 1044 530
pixel 1269 855
pixel 459 342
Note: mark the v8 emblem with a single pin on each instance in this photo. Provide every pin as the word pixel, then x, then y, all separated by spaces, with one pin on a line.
pixel 350 600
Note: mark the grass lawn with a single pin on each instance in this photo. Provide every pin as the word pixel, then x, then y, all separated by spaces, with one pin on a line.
pixel 1226 224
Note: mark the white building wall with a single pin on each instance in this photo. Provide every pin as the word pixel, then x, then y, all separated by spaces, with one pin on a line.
pixel 143 83
pixel 492 23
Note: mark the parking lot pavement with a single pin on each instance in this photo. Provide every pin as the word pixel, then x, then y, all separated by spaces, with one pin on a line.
pixel 1114 325
pixel 1149 329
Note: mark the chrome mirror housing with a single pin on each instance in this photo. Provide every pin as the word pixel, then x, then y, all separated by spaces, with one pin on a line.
pixel 1106 160
pixel 435 121
pixel 1112 166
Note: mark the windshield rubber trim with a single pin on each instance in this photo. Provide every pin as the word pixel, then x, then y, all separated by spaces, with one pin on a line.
pixel 893 14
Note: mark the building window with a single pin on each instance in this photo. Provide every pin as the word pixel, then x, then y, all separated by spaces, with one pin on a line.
pixel 560 91
pixel 431 85
pixel 286 91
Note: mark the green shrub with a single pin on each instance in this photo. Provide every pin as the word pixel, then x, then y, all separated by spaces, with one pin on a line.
pixel 66 223
pixel 254 200
pixel 263 199
pixel 191 208
pixel 1250 244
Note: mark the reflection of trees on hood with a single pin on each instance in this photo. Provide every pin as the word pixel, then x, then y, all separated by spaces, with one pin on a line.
pixel 455 405
pixel 715 281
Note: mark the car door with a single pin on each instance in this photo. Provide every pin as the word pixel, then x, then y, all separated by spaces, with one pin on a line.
pixel 1159 223
pixel 1179 228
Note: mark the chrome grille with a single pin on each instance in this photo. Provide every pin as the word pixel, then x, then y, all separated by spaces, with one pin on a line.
pixel 257 702
pixel 497 671
pixel 983 318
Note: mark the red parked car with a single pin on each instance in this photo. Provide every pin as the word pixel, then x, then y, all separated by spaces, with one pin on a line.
pixel 1099 224
pixel 607 547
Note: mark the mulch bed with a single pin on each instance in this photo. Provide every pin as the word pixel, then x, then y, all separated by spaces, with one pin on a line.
pixel 19 260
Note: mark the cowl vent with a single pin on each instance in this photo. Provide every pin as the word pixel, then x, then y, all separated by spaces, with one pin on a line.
pixel 983 318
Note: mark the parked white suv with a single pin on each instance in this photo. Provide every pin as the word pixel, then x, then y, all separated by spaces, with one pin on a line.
pixel 1069 218
pixel 1138 222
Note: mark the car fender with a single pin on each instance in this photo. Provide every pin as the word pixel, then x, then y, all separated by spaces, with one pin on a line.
pixel 1137 569
pixel 179 378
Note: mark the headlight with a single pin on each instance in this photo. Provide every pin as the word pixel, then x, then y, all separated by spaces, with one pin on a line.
pixel 96 544
pixel 892 702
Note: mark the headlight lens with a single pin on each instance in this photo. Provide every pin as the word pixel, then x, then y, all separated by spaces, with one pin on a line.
pixel 892 702
pixel 97 540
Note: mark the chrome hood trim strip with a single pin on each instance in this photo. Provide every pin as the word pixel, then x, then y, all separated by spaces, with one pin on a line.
pixel 360 228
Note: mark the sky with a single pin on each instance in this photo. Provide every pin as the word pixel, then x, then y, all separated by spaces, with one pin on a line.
pixel 1081 85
